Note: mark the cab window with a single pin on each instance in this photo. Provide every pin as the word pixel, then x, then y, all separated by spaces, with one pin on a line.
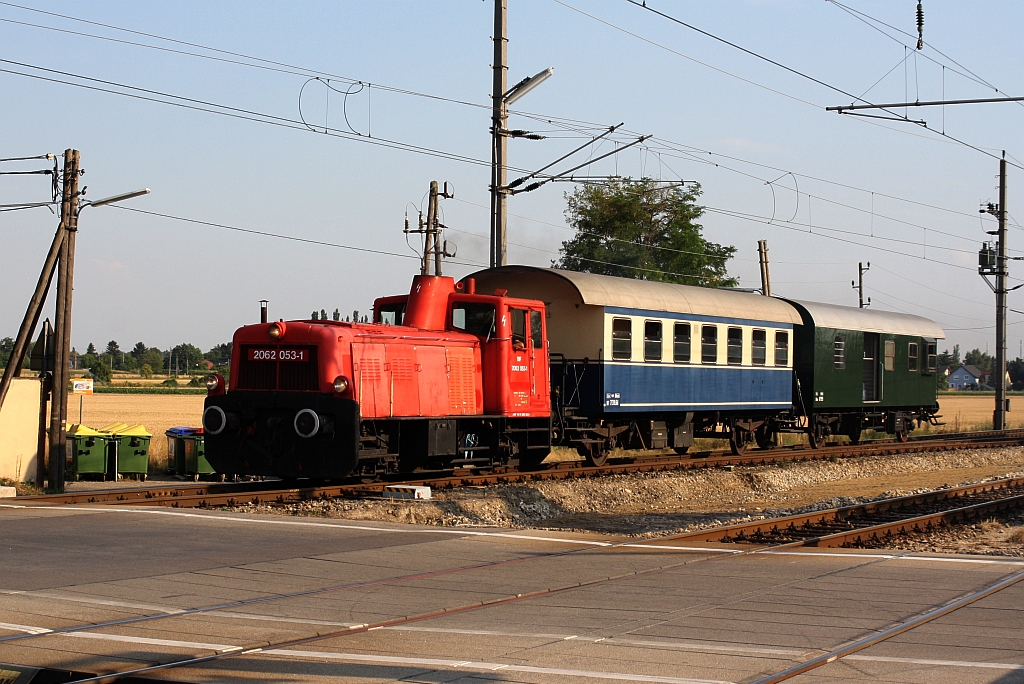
pixel 536 329
pixel 391 314
pixel 477 319
pixel 518 328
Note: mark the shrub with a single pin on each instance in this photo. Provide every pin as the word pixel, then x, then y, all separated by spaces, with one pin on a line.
pixel 170 382
pixel 196 382
pixel 101 371
pixel 146 371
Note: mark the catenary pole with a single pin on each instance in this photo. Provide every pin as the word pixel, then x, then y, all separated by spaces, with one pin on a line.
pixel 1002 263
pixel 499 142
pixel 766 277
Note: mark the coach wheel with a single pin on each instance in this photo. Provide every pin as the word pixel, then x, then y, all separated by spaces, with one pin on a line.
pixel 854 435
pixel 595 453
pixel 817 436
pixel 738 440
pixel 765 439
pixel 902 436
pixel 681 450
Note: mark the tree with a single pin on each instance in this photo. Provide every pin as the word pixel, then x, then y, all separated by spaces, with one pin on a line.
pixel 187 357
pixel 153 358
pixel 91 349
pixel 642 229
pixel 146 371
pixel 979 359
pixel 6 347
pixel 138 351
pixel 101 371
pixel 219 355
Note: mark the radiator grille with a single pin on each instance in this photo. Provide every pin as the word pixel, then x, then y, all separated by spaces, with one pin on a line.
pixel 278 375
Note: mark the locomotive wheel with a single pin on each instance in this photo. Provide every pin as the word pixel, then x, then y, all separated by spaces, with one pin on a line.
pixel 764 438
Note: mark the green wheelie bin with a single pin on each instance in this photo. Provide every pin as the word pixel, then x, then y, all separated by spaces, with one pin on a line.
pixel 87 452
pixel 132 451
pixel 195 455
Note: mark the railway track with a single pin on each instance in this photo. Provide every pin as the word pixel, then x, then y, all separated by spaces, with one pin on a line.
pixel 872 524
pixel 213 495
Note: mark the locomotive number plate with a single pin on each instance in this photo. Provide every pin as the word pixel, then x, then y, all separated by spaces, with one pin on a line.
pixel 257 354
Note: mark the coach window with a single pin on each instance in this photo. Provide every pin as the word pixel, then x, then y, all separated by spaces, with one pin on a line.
pixel 681 343
pixel 709 344
pixel 735 346
pixel 839 352
pixel 932 358
pixel 890 355
pixel 912 356
pixel 758 347
pixel 652 340
pixel 781 348
pixel 622 339
pixel 536 329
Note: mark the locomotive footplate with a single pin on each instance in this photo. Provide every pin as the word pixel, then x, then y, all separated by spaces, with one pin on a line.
pixel 283 434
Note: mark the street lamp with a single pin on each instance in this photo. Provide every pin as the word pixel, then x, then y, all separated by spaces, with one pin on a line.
pixel 526 85
pixel 114 198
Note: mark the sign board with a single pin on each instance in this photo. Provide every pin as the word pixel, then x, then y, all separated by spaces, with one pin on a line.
pixel 82 386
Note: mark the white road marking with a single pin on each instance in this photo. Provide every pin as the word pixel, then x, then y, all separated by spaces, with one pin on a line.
pixel 886 556
pixel 487 667
pixel 219 648
pixel 275 618
pixel 28 629
pixel 942 663
pixel 96 601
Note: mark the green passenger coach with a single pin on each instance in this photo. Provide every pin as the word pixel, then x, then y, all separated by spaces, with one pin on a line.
pixel 859 369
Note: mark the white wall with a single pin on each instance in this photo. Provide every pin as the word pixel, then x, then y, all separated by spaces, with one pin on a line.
pixel 19 424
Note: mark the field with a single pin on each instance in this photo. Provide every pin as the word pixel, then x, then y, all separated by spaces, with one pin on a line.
pixel 156 411
pixel 974 412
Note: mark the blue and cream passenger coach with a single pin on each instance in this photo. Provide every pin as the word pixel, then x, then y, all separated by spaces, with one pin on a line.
pixel 650 364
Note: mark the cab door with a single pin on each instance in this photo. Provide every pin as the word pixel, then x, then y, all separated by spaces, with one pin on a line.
pixel 520 362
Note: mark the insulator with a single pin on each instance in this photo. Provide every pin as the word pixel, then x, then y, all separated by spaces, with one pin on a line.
pixel 920 26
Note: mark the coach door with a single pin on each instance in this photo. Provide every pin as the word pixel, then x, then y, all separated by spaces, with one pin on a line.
pixel 871 375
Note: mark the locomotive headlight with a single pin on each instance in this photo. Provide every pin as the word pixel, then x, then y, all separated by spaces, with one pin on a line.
pixel 214 420
pixel 307 423
pixel 215 383
pixel 276 330
pixel 340 384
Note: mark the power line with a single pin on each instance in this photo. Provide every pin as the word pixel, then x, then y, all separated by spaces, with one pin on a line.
pixel 644 5
pixel 280 236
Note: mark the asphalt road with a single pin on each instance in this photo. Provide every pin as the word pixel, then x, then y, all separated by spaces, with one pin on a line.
pixel 112 590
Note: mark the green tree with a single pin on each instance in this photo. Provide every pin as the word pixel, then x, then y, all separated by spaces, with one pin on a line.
pixel 979 359
pixel 642 229
pixel 153 358
pixel 187 357
pixel 6 347
pixel 219 355
pixel 146 371
pixel 138 351
pixel 91 349
pixel 101 371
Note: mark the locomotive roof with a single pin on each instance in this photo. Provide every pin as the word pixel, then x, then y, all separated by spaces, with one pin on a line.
pixel 602 290
pixel 869 320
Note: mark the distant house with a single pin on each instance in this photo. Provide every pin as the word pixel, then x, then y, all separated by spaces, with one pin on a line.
pixel 965 378
pixel 988 381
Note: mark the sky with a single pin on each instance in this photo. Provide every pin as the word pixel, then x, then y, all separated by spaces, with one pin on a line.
pixel 404 94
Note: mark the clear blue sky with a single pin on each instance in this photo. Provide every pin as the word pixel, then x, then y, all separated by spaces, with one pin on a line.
pixel 146 278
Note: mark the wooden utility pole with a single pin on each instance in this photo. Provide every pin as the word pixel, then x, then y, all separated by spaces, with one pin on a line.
pixel 766 278
pixel 1002 271
pixel 499 142
pixel 62 328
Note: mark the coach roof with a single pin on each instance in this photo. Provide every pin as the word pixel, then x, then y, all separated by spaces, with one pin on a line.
pixel 869 320
pixel 627 293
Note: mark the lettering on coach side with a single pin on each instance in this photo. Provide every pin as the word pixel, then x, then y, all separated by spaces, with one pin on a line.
pixel 611 398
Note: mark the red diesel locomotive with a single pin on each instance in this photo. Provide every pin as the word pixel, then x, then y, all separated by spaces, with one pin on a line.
pixel 443 377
